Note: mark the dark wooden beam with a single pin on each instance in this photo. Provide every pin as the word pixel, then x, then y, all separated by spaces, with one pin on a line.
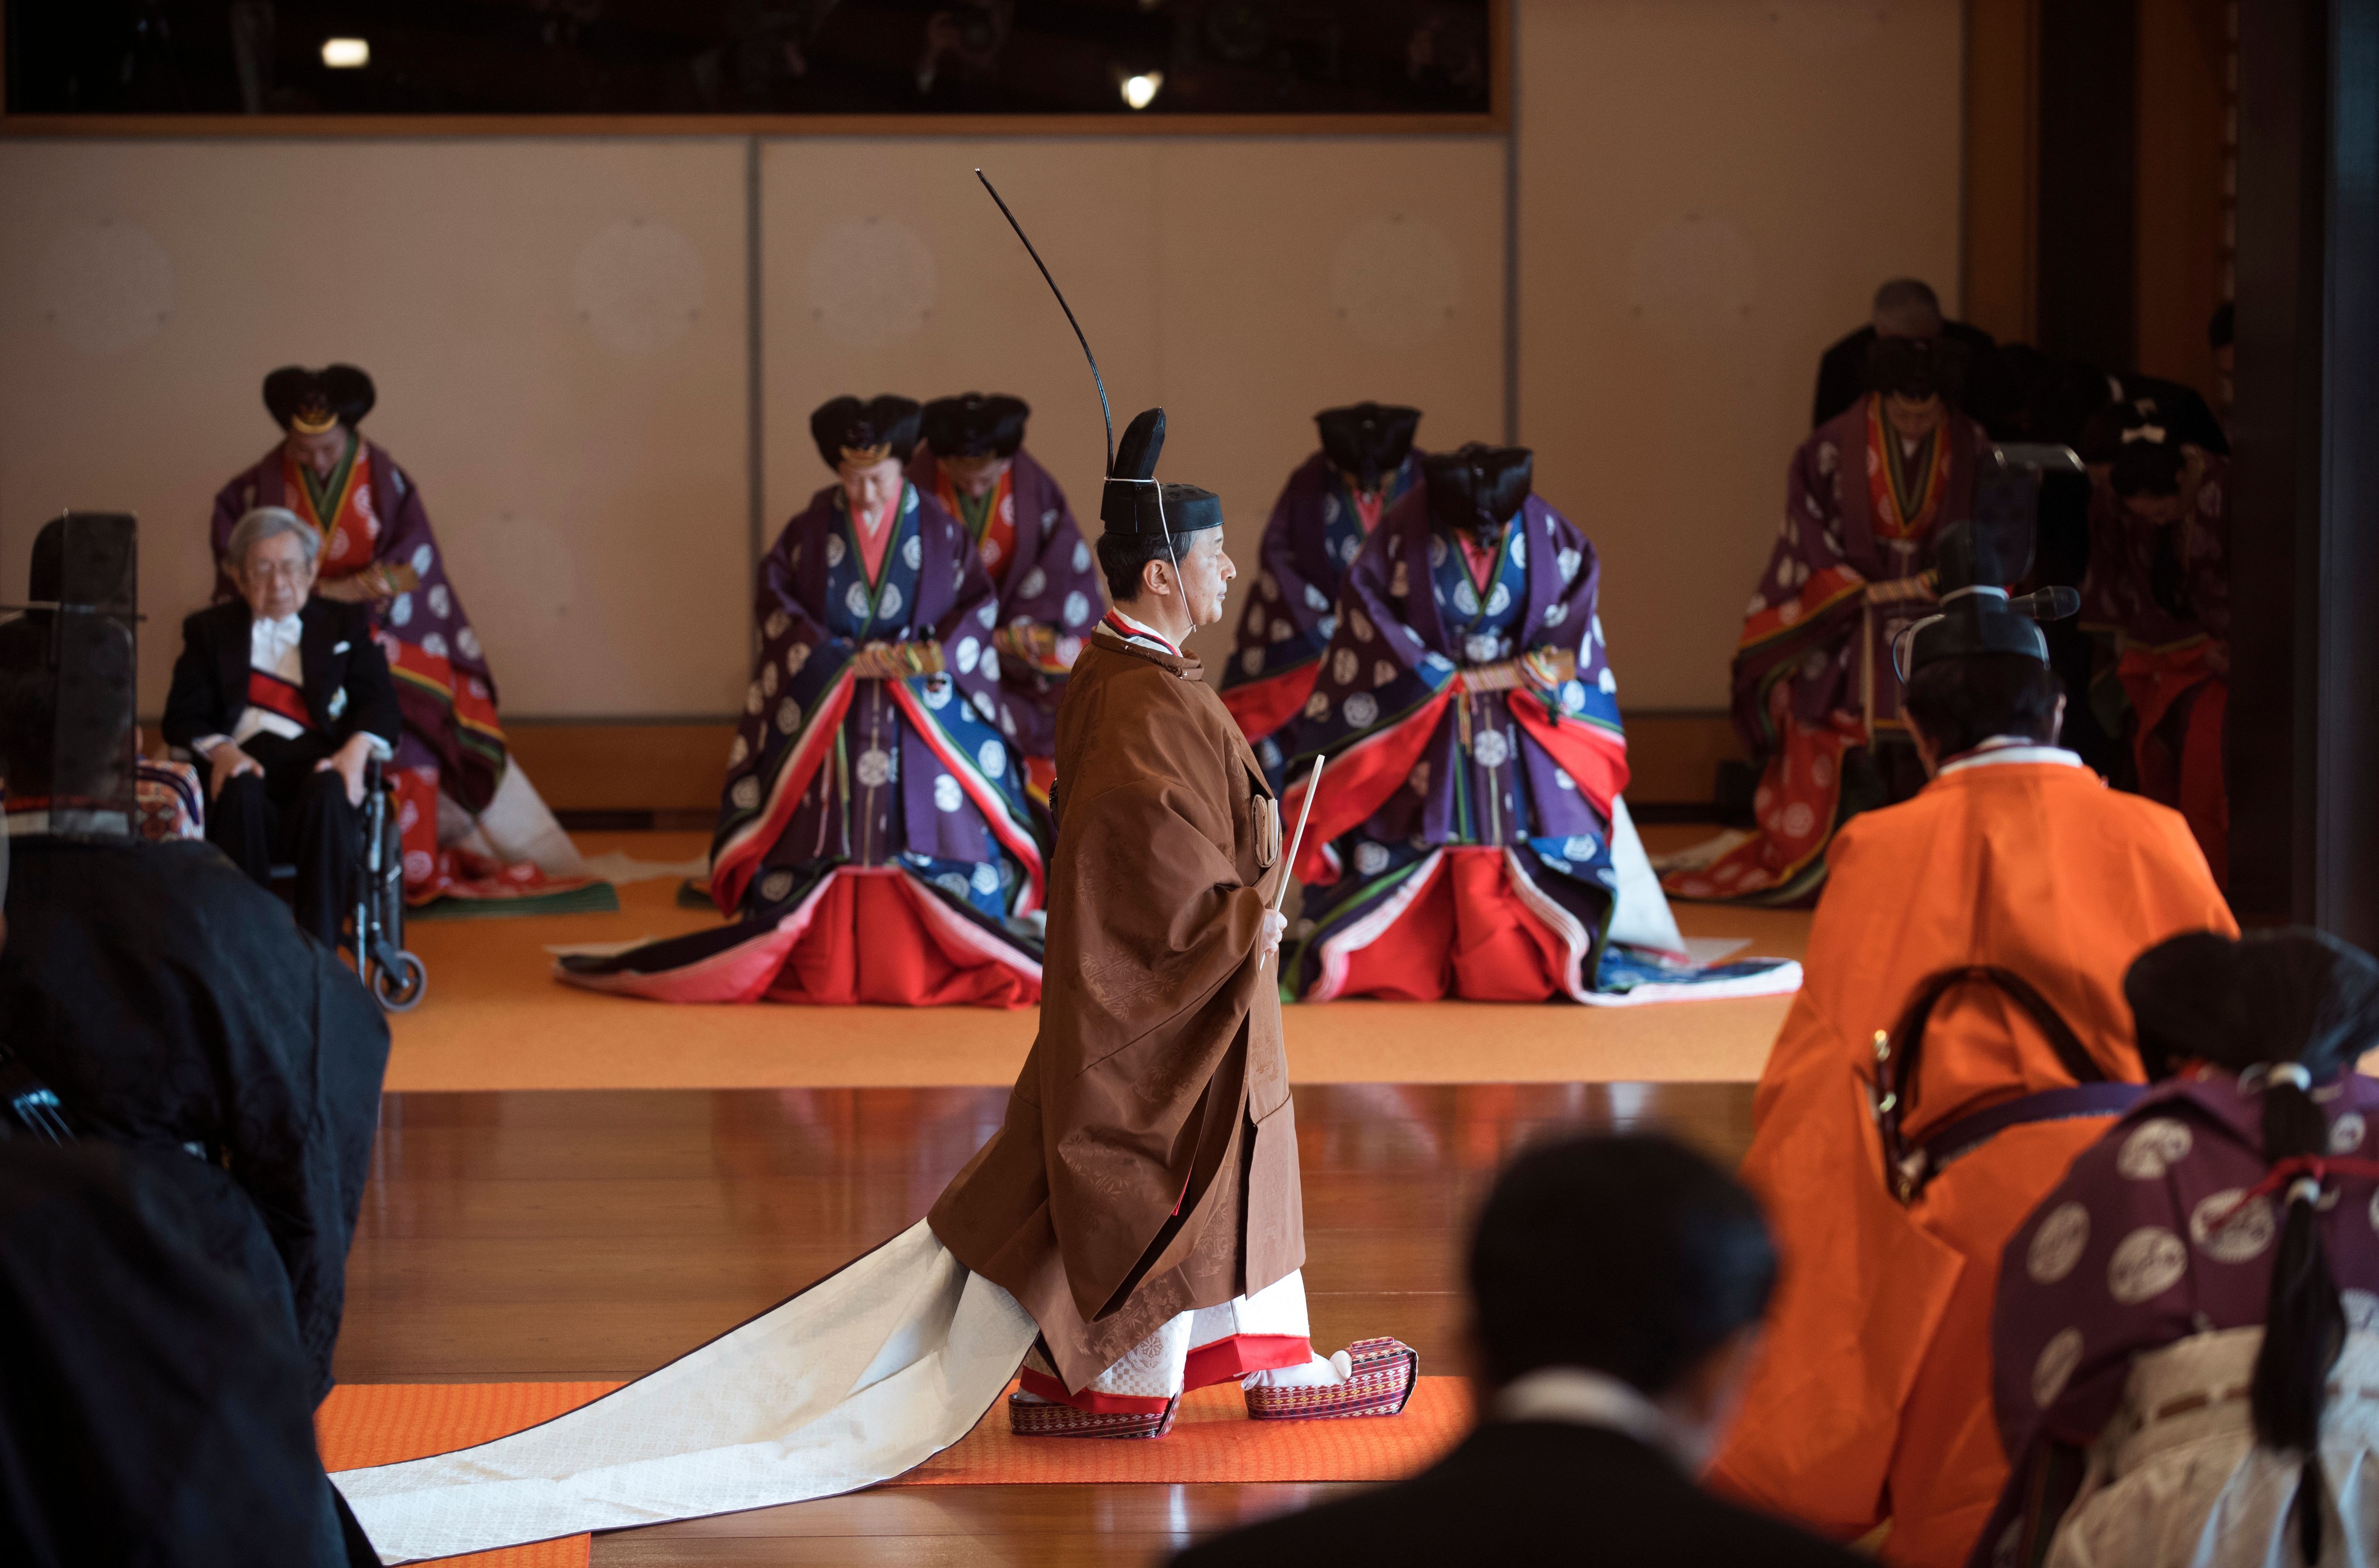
pixel 2303 742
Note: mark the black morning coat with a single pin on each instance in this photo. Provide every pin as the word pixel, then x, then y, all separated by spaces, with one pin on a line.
pixel 335 654
pixel 1530 1492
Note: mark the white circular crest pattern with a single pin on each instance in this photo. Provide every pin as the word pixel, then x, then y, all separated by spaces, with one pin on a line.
pixel 948 796
pixel 874 768
pixel 2153 1147
pixel 1344 666
pixel 2147 1263
pixel 2346 1133
pixel 1251 661
pixel 1077 607
pixel 796 656
pixel 1490 747
pixel 834 549
pixel 1315 599
pixel 2055 1366
pixel 1361 708
pixel 746 793
pixel 992 757
pixel 854 599
pixel 1035 583
pixel 912 552
pixel 774 886
pixel 2058 1245
pixel 2229 1230
pixel 788 717
pixel 1370 859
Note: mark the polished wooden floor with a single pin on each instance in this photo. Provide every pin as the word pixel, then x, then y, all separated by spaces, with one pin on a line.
pixel 596 1235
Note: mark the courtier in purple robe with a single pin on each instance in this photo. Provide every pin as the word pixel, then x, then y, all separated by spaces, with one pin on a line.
pixel 1815 700
pixel 2186 1351
pixel 1328 507
pixel 1467 837
pixel 875 841
pixel 378 550
pixel 974 463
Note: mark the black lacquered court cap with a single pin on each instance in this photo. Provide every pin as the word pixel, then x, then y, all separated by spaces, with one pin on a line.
pixel 1134 502
pixel 1973 567
pixel 976 425
pixel 1367 439
pixel 848 430
pixel 1479 487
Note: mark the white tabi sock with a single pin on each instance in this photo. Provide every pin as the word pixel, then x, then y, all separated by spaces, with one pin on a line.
pixel 1317 1372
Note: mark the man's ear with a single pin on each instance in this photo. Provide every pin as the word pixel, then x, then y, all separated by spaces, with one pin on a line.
pixel 1153 579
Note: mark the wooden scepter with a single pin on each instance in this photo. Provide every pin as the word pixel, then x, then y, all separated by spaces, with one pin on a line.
pixel 1288 867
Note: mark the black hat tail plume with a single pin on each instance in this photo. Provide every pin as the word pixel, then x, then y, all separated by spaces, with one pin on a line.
pixel 1096 380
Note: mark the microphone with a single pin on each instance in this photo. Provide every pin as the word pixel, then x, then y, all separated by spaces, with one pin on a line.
pixel 2047 604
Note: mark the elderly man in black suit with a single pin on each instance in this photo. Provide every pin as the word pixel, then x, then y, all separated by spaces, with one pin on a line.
pixel 1617 1285
pixel 287 699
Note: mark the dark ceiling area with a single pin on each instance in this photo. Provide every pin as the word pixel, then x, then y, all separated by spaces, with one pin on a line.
pixel 910 57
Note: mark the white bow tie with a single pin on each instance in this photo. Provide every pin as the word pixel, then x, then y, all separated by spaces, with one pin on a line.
pixel 279 635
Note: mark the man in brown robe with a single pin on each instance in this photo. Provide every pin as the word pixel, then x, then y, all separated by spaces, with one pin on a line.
pixel 1141 1200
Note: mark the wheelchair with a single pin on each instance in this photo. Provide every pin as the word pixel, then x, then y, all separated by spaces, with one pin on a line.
pixel 396 979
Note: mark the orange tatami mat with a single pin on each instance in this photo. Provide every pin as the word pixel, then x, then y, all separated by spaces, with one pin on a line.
pixel 495 1018
pixel 1211 1440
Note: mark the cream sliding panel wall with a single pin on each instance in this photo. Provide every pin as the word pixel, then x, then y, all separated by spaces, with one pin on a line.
pixel 557 329
pixel 1242 285
pixel 1710 192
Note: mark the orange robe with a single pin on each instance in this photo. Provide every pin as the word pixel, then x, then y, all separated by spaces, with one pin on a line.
pixel 1873 1399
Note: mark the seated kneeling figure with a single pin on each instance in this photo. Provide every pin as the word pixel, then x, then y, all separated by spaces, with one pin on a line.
pixel 1993 916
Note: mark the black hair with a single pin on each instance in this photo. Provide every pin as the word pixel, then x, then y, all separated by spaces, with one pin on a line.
pixel 2146 467
pixel 1631 1255
pixel 2298 997
pixel 1961 703
pixel 1122 557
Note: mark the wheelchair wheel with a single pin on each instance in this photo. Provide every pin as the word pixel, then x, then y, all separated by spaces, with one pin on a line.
pixel 399 985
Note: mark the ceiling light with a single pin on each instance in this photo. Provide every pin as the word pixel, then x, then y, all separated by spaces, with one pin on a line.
pixel 345 53
pixel 1141 91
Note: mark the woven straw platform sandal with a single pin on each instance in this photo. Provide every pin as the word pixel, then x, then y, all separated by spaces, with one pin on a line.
pixel 1037 1418
pixel 1384 1373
